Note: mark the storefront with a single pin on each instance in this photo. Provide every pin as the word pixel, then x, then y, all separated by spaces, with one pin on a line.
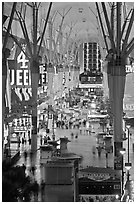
pixel 99 184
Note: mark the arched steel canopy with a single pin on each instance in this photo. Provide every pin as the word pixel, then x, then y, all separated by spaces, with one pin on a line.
pixel 74 21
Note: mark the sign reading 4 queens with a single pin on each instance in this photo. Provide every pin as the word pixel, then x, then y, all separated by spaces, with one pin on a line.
pixel 19 69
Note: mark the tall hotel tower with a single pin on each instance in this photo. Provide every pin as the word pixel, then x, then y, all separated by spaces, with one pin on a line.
pixel 91 57
pixel 91 76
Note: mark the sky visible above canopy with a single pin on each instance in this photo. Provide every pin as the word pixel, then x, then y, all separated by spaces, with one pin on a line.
pixel 80 23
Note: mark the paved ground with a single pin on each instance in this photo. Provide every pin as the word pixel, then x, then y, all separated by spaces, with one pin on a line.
pixel 83 145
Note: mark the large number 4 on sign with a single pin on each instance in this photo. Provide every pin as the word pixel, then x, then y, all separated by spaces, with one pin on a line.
pixel 22 59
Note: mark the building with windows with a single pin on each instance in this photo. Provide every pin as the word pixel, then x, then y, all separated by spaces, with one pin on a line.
pixel 97 184
pixel 91 76
pixel 91 57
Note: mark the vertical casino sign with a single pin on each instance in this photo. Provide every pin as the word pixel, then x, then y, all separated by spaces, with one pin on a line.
pixel 20 83
pixel 20 74
pixel 20 77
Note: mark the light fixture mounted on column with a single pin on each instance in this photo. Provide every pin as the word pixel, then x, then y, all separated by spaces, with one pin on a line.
pixel 128 166
pixel 128 126
pixel 122 151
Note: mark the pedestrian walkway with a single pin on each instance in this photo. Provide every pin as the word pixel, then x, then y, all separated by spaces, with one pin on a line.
pixel 30 160
pixel 83 145
pixel 32 164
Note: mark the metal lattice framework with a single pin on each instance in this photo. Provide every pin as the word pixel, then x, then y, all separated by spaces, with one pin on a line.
pixel 118 32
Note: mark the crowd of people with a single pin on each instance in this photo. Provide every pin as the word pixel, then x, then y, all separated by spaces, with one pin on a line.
pixel 28 164
pixel 77 128
pixel 30 169
pixel 83 125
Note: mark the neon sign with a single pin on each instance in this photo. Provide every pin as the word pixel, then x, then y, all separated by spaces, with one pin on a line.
pixel 19 70
pixel 130 68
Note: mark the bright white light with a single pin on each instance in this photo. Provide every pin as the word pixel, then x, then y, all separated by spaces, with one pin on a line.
pixel 38 112
pixel 128 126
pixel 58 146
pixel 122 151
pixel 117 196
pixel 14 135
pixel 93 111
pixel 128 166
pixel 93 105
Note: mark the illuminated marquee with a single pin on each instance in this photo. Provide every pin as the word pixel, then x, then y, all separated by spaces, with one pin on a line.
pixel 98 176
pixel 99 198
pixel 20 78
pixel 43 74
pixel 19 70
pixel 130 68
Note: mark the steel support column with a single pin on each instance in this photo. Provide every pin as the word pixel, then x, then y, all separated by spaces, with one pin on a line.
pixel 50 75
pixel 118 28
pixel 50 40
pixel 116 82
pixel 110 86
pixel 34 66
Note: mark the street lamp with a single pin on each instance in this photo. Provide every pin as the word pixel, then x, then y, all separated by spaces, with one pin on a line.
pixel 128 127
pixel 128 167
pixel 53 133
pixel 128 164
pixel 122 151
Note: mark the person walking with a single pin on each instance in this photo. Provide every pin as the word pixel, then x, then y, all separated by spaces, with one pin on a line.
pixel 48 138
pixel 94 150
pixel 84 122
pixel 36 190
pixel 106 153
pixel 87 127
pixel 80 129
pixel 45 139
pixel 76 136
pixel 25 140
pixel 29 141
pixel 33 168
pixel 70 124
pixel 22 140
pixel 25 156
pixel 41 140
pixel 31 156
pixel 62 124
pixel 24 167
pixel 72 135
pixel 19 141
pixel 99 151
pixel 42 189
